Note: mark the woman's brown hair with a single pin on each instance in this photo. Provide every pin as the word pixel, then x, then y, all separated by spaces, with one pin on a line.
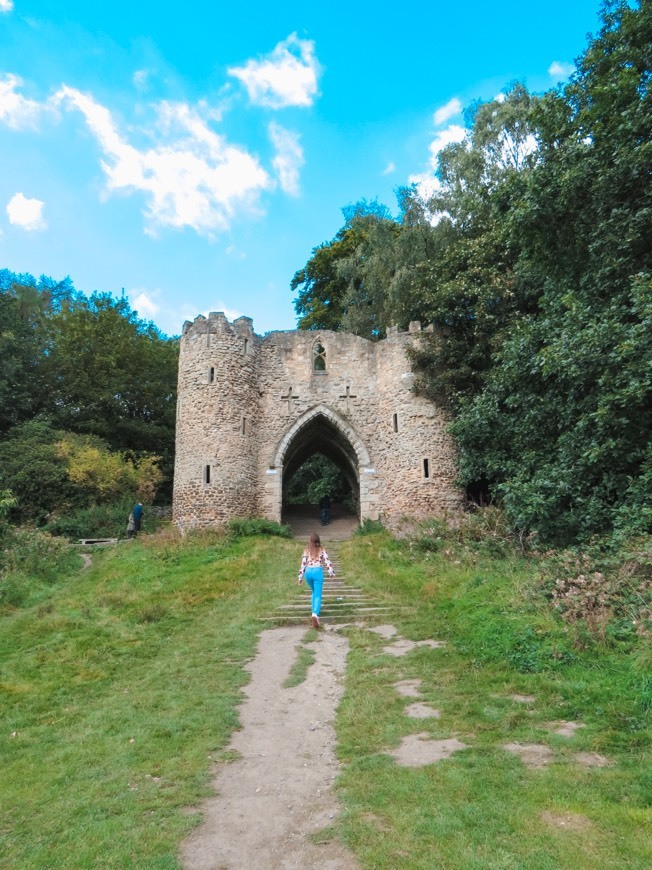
pixel 314 546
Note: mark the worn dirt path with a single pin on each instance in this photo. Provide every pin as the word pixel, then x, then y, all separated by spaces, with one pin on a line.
pixel 279 792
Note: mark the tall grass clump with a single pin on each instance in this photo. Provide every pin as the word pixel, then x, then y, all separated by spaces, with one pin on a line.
pixel 243 527
pixel 603 591
pixel 31 561
pixel 369 527
pixel 484 531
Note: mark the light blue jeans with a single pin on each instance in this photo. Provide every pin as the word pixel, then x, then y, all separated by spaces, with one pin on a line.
pixel 315 579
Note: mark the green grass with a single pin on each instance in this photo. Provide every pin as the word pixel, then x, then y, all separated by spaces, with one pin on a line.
pixel 301 665
pixel 483 808
pixel 119 690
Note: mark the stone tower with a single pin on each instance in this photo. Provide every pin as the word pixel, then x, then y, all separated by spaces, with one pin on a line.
pixel 253 408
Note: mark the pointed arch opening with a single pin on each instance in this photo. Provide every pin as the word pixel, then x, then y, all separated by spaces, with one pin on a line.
pixel 321 432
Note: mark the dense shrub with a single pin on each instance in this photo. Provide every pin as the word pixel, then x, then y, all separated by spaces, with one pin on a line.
pixel 55 474
pixel 605 590
pixel 369 527
pixel 100 521
pixel 31 559
pixel 242 527
pixel 484 531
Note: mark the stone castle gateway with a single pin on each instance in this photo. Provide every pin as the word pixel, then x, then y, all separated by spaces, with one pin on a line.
pixel 252 409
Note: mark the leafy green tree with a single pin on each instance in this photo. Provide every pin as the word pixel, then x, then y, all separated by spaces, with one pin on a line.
pixel 461 272
pixel 103 475
pixel 31 468
pixel 113 375
pixel 321 288
pixel 22 340
pixel 25 307
pixel 50 472
pixel 317 477
pixel 332 285
pixel 562 426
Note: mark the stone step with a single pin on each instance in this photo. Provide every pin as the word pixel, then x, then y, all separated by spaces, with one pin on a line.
pixel 301 620
pixel 331 605
pixel 326 617
pixel 341 603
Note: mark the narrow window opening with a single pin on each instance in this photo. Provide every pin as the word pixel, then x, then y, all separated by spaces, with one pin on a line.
pixel 396 422
pixel 244 425
pixel 318 357
pixel 211 375
pixel 207 474
pixel 426 468
pixel 246 345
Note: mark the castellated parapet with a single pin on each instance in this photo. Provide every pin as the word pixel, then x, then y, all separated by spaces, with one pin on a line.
pixel 252 409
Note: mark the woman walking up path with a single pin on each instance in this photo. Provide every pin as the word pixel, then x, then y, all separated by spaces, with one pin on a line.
pixel 313 562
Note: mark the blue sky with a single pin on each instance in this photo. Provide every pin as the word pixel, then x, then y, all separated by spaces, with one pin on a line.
pixel 195 153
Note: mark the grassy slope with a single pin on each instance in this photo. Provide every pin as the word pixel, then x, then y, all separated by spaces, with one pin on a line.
pixel 122 690
pixel 482 808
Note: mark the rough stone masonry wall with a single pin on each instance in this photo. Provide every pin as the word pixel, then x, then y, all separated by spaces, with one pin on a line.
pixel 216 451
pixel 241 421
pixel 288 365
pixel 417 455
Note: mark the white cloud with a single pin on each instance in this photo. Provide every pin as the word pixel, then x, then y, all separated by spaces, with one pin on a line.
pixel 6 5
pixel 288 159
pixel 144 304
pixel 16 111
pixel 286 77
pixel 389 169
pixel 25 212
pixel 191 176
pixel 427 182
pixel 451 134
pixel 560 70
pixel 453 107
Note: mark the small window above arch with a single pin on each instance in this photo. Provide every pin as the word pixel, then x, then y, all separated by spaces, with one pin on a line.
pixel 318 357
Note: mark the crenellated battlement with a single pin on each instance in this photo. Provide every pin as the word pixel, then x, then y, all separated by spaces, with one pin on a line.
pixel 218 324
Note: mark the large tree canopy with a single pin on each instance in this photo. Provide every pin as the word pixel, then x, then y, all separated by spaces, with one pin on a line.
pixel 87 366
pixel 532 256
pixel 112 375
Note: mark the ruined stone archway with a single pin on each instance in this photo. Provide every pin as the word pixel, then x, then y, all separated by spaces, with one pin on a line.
pixel 251 407
pixel 321 430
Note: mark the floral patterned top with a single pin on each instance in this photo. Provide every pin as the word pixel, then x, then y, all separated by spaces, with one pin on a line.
pixel 308 562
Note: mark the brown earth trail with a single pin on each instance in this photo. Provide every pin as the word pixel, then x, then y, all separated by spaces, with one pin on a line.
pixel 278 793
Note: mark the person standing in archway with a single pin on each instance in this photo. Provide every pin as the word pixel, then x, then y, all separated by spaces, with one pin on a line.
pixel 313 562
pixel 325 508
